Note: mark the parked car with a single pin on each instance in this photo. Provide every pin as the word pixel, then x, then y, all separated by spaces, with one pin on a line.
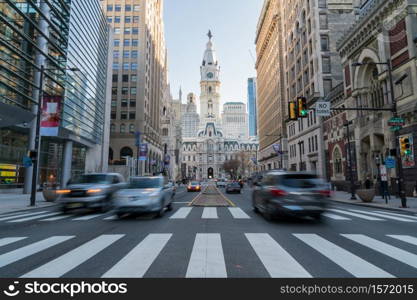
pixel 221 183
pixel 91 191
pixel 290 193
pixel 144 195
pixel 194 186
pixel 233 187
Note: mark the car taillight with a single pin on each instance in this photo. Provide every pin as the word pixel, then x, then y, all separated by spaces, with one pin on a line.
pixel 325 193
pixel 278 193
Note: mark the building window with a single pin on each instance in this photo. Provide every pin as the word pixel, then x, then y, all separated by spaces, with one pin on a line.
pixel 135 19
pixel 128 19
pixel 127 30
pixel 327 86
pixel 116 19
pixel 324 41
pixel 117 7
pixel 109 20
pixel 109 7
pixel 124 102
pixel 135 42
pixel 128 7
pixel 125 91
pixel 132 116
pixel 337 162
pixel 125 66
pixel 133 78
pixel 125 78
pixel 113 103
pixel 165 131
pixel 132 103
pixel 116 43
pixel 136 7
pixel 134 66
pixel 116 54
pixel 126 42
pixel 112 128
pixel 113 115
pixel 123 116
pixel 132 128
pixel 135 30
pixel 115 66
pixel 134 54
pixel 126 54
pixel 323 21
pixel 326 64
pixel 115 78
pixel 116 30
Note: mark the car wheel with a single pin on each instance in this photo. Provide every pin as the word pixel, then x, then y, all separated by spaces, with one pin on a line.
pixel 317 217
pixel 64 209
pixel 120 215
pixel 169 207
pixel 161 213
pixel 256 209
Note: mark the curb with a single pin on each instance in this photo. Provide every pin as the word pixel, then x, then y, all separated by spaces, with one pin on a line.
pixel 377 207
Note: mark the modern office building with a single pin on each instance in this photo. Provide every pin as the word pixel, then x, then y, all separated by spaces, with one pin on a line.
pixel 60 35
pixel 139 80
pixel 253 114
pixel 235 120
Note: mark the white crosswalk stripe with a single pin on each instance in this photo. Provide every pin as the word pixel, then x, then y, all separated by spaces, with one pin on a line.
pixel 33 218
pixel 384 216
pixel 137 261
pixel 336 217
pixel 182 213
pixel 361 216
pixel 398 215
pixel 111 218
pixel 18 254
pixel 207 260
pixel 69 261
pixel 56 218
pixel 348 261
pixel 22 215
pixel 277 261
pixel 10 240
pixel 210 213
pixel 238 213
pixel 384 248
pixel 87 217
pixel 405 238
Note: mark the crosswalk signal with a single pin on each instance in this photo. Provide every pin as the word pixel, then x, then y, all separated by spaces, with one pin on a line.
pixel 292 110
pixel 302 107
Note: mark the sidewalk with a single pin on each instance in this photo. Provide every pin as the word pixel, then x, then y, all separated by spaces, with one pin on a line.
pixel 378 202
pixel 17 202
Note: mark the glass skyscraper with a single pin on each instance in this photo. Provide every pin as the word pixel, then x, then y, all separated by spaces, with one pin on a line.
pixel 60 35
pixel 253 118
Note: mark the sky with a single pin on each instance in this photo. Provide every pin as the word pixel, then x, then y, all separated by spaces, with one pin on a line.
pixel 233 25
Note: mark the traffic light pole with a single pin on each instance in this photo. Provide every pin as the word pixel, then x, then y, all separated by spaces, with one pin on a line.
pixel 37 140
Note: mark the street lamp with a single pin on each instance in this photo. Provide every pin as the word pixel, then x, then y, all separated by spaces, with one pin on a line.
pixel 37 131
pixel 352 181
pixel 388 63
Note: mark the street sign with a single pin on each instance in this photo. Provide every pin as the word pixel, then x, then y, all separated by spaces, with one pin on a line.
pixel 396 122
pixel 277 148
pixel 396 128
pixel 143 152
pixel 390 162
pixel 323 109
pixel 383 172
pixel 27 162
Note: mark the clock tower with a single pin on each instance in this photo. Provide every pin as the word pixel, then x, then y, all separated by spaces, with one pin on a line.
pixel 210 84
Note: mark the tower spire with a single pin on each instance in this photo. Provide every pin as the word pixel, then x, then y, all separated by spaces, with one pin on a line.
pixel 210 35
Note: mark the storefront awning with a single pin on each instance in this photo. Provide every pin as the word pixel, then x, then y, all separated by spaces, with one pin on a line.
pixel 13 115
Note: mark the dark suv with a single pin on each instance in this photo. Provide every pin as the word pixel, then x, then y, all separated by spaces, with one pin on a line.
pixel 92 191
pixel 290 193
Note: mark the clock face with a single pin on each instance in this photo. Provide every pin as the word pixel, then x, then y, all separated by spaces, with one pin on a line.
pixel 210 75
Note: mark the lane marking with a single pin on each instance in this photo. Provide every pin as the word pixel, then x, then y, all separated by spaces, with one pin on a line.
pixel 356 215
pixel 398 215
pixel 69 261
pixel 335 217
pixel 188 202
pixel 110 218
pixel 88 217
pixel 238 213
pixel 207 259
pixel 10 240
pixel 225 198
pixel 57 218
pixel 384 248
pixel 353 264
pixel 23 215
pixel 209 213
pixel 18 254
pixel 195 199
pixel 139 259
pixel 276 260
pixel 181 213
pixel 384 216
pixel 405 238
pixel 34 218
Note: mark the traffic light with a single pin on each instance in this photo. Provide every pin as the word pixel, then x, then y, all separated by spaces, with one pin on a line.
pixel 302 107
pixel 32 154
pixel 292 110
pixel 405 146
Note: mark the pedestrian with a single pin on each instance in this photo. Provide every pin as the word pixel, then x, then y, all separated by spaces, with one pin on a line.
pixel 367 183
pixel 415 191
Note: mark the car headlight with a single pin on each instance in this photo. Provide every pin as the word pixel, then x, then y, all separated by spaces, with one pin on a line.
pixel 94 191
pixel 63 192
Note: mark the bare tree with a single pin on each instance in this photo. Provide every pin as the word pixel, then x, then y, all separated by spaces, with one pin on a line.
pixel 231 167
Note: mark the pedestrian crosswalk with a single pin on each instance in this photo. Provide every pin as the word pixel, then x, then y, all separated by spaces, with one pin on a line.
pixel 336 214
pixel 208 255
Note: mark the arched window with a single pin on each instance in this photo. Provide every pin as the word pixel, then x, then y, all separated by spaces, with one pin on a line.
pixel 132 128
pixel 209 89
pixel 126 151
pixel 122 128
pixel 112 128
pixel 337 162
pixel 165 131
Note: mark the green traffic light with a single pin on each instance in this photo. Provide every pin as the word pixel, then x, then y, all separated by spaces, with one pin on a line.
pixel 407 152
pixel 304 113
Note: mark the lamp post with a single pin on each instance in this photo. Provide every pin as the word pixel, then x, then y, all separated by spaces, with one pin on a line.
pixel 37 131
pixel 394 110
pixel 352 180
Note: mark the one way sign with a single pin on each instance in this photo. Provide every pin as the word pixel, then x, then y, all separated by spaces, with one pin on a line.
pixel 323 109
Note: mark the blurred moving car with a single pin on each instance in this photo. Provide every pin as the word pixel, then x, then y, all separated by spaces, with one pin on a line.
pixel 221 183
pixel 290 193
pixel 144 195
pixel 194 186
pixel 233 187
pixel 91 191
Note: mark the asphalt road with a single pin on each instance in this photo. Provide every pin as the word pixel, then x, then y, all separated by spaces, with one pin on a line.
pixel 200 242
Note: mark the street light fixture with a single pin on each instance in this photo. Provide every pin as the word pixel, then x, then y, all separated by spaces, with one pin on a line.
pixel 38 128
pixel 394 110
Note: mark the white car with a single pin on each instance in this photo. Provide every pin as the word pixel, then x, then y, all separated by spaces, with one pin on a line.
pixel 221 183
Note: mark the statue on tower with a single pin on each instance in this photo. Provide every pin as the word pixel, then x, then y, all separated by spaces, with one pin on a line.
pixel 209 35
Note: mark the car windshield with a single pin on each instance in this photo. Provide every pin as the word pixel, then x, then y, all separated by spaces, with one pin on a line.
pixel 300 181
pixel 96 178
pixel 195 183
pixel 144 183
pixel 234 184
